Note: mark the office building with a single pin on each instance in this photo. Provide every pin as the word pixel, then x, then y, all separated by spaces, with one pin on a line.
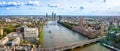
pixel 31 34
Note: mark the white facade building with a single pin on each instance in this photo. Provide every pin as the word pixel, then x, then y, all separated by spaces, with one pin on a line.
pixel 31 34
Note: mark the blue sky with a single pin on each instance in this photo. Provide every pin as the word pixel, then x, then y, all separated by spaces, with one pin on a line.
pixel 60 7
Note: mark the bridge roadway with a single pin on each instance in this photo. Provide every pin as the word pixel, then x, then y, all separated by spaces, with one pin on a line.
pixel 71 46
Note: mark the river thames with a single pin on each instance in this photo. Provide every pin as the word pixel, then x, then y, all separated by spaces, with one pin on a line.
pixel 56 35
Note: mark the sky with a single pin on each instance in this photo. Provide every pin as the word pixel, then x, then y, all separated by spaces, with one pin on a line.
pixel 60 7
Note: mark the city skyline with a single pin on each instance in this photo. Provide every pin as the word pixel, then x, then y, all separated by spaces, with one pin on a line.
pixel 59 33
pixel 60 7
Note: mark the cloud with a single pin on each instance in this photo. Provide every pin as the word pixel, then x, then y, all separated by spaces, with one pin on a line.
pixel 67 6
pixel 104 1
pixel 72 7
pixel 52 5
pixel 81 8
pixel 14 4
pixel 33 3
pixel 9 4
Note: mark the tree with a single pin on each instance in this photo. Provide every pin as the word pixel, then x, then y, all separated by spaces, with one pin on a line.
pixel 9 29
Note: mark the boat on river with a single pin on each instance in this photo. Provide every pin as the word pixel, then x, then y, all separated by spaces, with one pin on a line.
pixel 49 31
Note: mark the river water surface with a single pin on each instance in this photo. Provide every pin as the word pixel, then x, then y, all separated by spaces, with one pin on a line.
pixel 56 35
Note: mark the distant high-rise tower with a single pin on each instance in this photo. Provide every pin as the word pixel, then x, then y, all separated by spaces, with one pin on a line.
pixel 46 17
pixel 102 29
pixel 60 18
pixel 53 16
pixel 81 22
